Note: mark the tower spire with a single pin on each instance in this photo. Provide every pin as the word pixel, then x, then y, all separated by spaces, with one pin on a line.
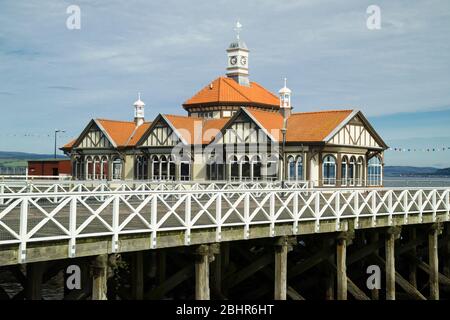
pixel 139 111
pixel 237 53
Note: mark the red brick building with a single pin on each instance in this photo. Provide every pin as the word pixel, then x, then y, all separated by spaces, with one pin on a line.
pixel 53 167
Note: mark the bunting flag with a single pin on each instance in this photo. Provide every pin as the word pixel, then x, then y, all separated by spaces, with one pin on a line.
pixel 436 149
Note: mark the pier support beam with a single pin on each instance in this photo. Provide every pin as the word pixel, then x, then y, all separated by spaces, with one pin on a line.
pixel 413 265
pixel 341 266
pixel 35 272
pixel 137 273
pixel 281 252
pixel 99 277
pixel 392 234
pixel 446 251
pixel 433 233
pixel 204 255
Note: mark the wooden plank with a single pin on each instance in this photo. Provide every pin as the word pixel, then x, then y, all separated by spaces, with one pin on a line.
pixel 309 263
pixel 356 292
pixel 241 275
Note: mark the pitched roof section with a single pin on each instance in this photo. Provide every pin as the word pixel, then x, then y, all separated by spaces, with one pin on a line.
pixel 226 91
pixel 195 130
pixel 121 133
pixel 302 126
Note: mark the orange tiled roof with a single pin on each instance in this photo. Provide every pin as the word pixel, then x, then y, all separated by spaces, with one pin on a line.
pixel 123 133
pixel 196 130
pixel 301 126
pixel 225 90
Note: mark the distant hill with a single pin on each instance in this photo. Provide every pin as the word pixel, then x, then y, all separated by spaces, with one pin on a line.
pixel 443 172
pixel 408 171
pixel 27 156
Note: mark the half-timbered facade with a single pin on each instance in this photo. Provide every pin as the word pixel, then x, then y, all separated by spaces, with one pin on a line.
pixel 235 130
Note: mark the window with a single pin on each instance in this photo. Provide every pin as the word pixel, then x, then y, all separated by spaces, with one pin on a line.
pixel 171 168
pixel 291 168
pixel 374 173
pixel 234 168
pixel 351 171
pixel 359 172
pixel 256 163
pixel 117 169
pixel 329 170
pixel 155 166
pixel 245 168
pixel 272 168
pixel 344 171
pixel 299 164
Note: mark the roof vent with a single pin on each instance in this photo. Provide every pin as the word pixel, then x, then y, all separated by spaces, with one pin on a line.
pixel 211 86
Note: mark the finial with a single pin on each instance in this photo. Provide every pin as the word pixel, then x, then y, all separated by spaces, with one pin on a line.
pixel 238 29
pixel 139 96
pixel 285 82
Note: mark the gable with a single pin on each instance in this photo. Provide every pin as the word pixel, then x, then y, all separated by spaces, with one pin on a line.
pixel 356 132
pixel 93 138
pixel 160 134
pixel 242 129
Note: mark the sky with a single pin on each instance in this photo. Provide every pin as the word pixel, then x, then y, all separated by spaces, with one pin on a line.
pixel 52 77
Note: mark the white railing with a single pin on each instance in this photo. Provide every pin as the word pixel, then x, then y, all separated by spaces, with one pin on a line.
pixel 20 187
pixel 29 217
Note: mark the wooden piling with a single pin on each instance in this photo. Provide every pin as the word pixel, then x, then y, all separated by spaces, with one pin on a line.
pixel 391 235
pixel 341 265
pixel 99 277
pixel 204 255
pixel 433 260
pixel 413 252
pixel 137 273
pixel 281 251
pixel 35 271
pixel 446 251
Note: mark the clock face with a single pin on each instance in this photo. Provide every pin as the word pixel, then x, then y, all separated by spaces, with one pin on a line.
pixel 233 60
pixel 243 61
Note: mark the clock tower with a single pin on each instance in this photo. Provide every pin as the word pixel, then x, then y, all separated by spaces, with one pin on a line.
pixel 237 53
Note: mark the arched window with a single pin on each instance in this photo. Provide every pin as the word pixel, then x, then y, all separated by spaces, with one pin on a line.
pixel 171 168
pixel 234 168
pixel 359 171
pixel 329 170
pixel 185 168
pixel 299 164
pixel 155 167
pixel 245 163
pixel 117 169
pixel 272 167
pixel 256 167
pixel 344 171
pixel 89 168
pixel 374 171
pixel 104 168
pixel 163 168
pixel 351 171
pixel 291 168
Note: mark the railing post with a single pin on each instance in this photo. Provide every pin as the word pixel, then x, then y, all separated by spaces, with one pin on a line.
pixel 154 219
pixel 420 205
pixel 317 210
pixel 2 191
pixel 115 223
pixel 434 205
pixel 356 207
pixel 247 215
pixel 72 226
pixel 296 215
pixel 188 213
pixel 272 214
pixel 390 207
pixel 447 204
pixel 337 209
pixel 219 217
pixel 23 230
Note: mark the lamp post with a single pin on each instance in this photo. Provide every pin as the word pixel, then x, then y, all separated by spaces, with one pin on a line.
pixel 56 132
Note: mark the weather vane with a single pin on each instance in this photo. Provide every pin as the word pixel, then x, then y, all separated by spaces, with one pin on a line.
pixel 238 29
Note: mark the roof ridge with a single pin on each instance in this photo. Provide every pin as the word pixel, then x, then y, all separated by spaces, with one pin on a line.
pixel 236 88
pixel 112 120
pixel 321 111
